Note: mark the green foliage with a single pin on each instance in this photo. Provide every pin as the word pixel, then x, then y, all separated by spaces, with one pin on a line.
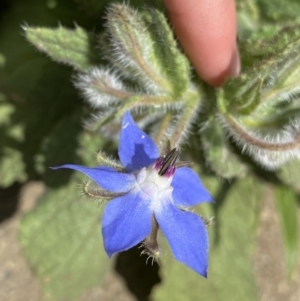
pixel 166 50
pixel 36 93
pixel 146 70
pixel 60 146
pixel 248 18
pixel 40 112
pixel 260 108
pixel 289 174
pixel 12 167
pixel 286 202
pixel 72 47
pixel 62 242
pixel 230 274
pixel 271 82
pixel 219 156
pixel 41 120
pixel 278 11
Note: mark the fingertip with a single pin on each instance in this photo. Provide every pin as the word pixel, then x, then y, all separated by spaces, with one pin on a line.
pixel 232 69
pixel 206 30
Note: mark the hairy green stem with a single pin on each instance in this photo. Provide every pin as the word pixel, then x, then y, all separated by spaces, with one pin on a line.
pixel 92 191
pixel 160 133
pixel 185 119
pixel 130 103
pixel 104 160
pixel 251 140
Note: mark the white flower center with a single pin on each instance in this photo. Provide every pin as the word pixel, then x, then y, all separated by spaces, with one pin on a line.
pixel 154 188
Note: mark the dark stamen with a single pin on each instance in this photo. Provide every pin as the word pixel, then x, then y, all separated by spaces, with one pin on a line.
pixel 168 160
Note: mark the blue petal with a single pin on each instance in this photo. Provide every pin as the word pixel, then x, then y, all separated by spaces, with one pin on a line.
pixel 187 236
pixel 126 222
pixel 106 177
pixel 136 148
pixel 188 189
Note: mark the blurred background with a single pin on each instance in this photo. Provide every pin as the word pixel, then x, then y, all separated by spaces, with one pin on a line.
pixel 50 247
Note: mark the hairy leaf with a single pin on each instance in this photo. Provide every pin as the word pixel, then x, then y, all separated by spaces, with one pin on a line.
pixel 72 47
pixel 218 155
pixel 62 242
pixel 289 174
pixel 12 167
pixel 286 202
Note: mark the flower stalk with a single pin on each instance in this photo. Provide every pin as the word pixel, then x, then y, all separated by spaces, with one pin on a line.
pixel 150 244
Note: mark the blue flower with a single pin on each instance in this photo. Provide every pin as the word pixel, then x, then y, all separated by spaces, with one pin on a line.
pixel 151 195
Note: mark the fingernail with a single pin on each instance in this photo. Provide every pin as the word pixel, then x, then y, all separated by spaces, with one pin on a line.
pixel 235 65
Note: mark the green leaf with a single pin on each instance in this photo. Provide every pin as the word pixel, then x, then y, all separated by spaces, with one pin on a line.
pixel 289 174
pixel 173 62
pixel 60 147
pixel 269 83
pixel 261 108
pixel 6 109
pixel 230 274
pixel 72 47
pixel 142 47
pixel 61 239
pixel 217 152
pixel 248 18
pixel 12 167
pixel 277 10
pixel 89 144
pixel 286 202
pixel 47 100
pixel 240 95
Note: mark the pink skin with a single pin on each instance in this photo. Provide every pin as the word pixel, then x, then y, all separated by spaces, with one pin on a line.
pixel 206 30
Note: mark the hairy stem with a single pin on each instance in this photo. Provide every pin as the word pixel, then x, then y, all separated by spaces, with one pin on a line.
pixel 104 160
pixel 251 140
pixel 185 119
pixel 165 123
pixel 92 191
